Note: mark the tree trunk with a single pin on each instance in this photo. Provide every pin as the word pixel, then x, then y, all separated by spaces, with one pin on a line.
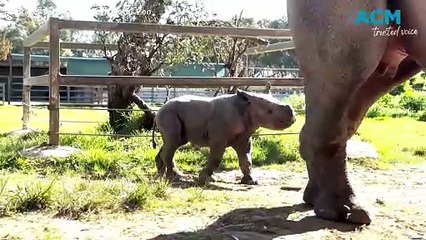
pixel 123 97
pixel 149 114
pixel 118 99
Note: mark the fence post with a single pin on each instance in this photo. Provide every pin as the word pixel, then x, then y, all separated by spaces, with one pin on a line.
pixel 26 90
pixel 246 64
pixel 9 79
pixel 68 94
pixel 54 65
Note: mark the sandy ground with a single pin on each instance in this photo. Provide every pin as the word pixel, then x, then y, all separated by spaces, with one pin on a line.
pixel 266 211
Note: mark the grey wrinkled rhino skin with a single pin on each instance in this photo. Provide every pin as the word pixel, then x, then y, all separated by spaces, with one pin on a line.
pixel 346 70
pixel 217 123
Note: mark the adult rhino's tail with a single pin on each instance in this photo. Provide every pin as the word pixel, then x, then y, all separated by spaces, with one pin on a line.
pixel 154 144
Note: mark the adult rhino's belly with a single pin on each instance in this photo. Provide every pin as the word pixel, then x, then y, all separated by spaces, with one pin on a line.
pixel 392 57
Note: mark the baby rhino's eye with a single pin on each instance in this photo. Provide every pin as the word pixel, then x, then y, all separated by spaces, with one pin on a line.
pixel 270 111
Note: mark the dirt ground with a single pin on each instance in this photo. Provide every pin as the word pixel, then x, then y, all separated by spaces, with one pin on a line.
pixel 271 210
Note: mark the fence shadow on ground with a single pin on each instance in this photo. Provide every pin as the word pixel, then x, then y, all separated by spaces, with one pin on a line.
pixel 260 223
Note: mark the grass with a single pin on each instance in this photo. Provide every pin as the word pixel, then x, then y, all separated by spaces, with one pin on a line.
pixel 39 119
pixel 397 140
pixel 116 175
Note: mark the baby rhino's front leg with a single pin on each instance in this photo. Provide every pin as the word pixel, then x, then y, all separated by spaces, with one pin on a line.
pixel 243 149
pixel 216 155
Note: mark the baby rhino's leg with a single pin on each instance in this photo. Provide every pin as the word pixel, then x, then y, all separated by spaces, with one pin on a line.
pixel 161 168
pixel 243 149
pixel 171 130
pixel 216 155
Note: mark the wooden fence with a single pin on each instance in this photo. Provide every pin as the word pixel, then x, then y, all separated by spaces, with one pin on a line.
pixel 55 79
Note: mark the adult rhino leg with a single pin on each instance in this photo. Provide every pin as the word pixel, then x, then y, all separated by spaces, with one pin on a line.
pixel 369 92
pixel 375 87
pixel 323 146
pixel 336 57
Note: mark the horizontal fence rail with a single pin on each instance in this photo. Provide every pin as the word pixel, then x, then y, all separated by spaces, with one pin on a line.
pixel 81 80
pixel 71 45
pixel 175 29
pixel 275 47
pixel 37 35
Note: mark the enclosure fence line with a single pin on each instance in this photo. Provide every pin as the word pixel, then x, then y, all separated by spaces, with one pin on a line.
pixel 54 79
pixel 130 135
pixel 156 135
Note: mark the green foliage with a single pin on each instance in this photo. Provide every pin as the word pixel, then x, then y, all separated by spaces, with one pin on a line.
pixel 23 22
pixel 408 103
pixel 397 140
pixel 297 101
pixel 143 192
pixel 74 198
pixel 422 116
pixel 11 157
pixel 400 89
pixel 35 195
pixel 270 150
pixel 413 101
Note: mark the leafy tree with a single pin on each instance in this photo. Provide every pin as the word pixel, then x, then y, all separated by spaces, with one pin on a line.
pixel 283 59
pixel 5 44
pixel 23 23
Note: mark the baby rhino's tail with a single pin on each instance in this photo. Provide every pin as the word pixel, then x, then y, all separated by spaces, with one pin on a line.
pixel 154 144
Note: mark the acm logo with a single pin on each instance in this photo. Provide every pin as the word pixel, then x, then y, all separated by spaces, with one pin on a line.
pixel 378 17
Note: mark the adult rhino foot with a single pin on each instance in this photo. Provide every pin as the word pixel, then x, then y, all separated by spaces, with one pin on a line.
pixel 332 208
pixel 311 193
pixel 248 180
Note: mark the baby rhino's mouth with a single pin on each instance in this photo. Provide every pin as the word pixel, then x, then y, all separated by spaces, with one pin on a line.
pixel 288 122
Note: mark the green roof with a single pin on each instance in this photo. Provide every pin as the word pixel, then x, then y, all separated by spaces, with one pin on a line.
pixel 101 66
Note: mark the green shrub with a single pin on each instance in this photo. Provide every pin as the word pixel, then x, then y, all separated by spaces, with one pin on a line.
pixel 275 150
pixel 410 103
pixel 422 116
pixel 297 101
pixel 36 195
pixel 143 192
pixel 414 101
pixel 400 89
pixel 11 147
pixel 375 111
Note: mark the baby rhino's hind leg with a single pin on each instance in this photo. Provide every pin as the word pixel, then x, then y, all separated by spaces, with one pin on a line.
pixel 171 129
pixel 161 167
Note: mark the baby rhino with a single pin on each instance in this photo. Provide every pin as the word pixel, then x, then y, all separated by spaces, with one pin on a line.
pixel 217 123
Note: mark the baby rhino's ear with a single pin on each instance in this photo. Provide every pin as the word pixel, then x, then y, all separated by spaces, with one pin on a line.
pixel 243 95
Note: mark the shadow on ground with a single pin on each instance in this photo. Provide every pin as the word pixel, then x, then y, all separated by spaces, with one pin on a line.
pixel 260 223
